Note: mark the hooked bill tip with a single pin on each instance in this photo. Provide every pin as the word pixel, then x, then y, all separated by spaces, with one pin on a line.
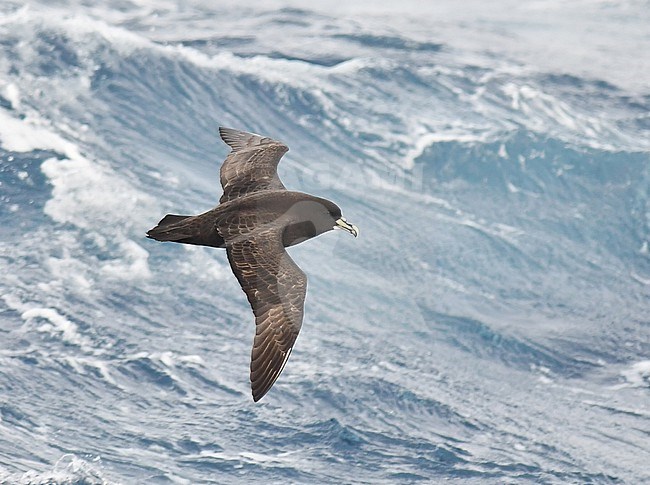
pixel 341 223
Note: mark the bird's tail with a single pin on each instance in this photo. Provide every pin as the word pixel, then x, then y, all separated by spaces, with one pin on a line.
pixel 184 229
pixel 171 228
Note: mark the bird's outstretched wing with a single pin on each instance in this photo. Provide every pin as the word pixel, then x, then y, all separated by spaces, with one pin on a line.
pixel 276 288
pixel 252 164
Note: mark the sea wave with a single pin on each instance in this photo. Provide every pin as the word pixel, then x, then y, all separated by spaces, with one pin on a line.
pixel 489 326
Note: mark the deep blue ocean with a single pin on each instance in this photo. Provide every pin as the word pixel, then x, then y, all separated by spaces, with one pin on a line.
pixel 491 324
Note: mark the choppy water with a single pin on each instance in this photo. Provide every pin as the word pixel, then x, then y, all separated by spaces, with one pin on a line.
pixel 490 325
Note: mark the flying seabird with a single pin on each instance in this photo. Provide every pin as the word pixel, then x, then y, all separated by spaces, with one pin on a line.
pixel 257 217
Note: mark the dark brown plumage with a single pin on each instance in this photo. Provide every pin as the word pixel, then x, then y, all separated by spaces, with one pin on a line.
pixel 255 220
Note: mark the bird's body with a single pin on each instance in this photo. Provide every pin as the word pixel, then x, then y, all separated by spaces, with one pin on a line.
pixel 256 219
pixel 253 212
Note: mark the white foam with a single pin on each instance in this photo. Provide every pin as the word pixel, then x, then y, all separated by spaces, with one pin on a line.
pixel 87 194
pixel 372 179
pixel 14 302
pixel 644 248
pixel 77 24
pixel 212 267
pixel 70 468
pixel 513 188
pixel 252 458
pixel 24 135
pixel 427 140
pixel 638 375
pixel 168 358
pixel 58 325
pixel 549 113
pixel 11 92
pixel 283 71
pixel 83 27
pixel 75 363
pixel 171 359
pixel 640 279
pixel 78 363
pixel 15 16
pixel 70 271
pixel 504 232
pixel 133 265
pixel 192 359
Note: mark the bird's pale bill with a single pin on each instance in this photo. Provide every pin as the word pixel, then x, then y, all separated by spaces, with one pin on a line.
pixel 341 223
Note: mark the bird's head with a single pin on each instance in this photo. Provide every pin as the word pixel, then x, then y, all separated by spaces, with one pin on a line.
pixel 313 216
pixel 334 220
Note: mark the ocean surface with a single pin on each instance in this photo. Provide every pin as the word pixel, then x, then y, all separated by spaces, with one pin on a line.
pixel 491 324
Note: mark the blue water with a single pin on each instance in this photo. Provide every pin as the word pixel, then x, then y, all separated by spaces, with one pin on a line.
pixel 491 323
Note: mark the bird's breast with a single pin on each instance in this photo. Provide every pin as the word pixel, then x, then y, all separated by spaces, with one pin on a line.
pixel 295 233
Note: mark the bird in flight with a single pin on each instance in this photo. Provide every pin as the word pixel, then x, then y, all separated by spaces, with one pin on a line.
pixel 256 219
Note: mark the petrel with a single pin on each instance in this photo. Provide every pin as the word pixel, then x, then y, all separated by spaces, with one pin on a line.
pixel 257 217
